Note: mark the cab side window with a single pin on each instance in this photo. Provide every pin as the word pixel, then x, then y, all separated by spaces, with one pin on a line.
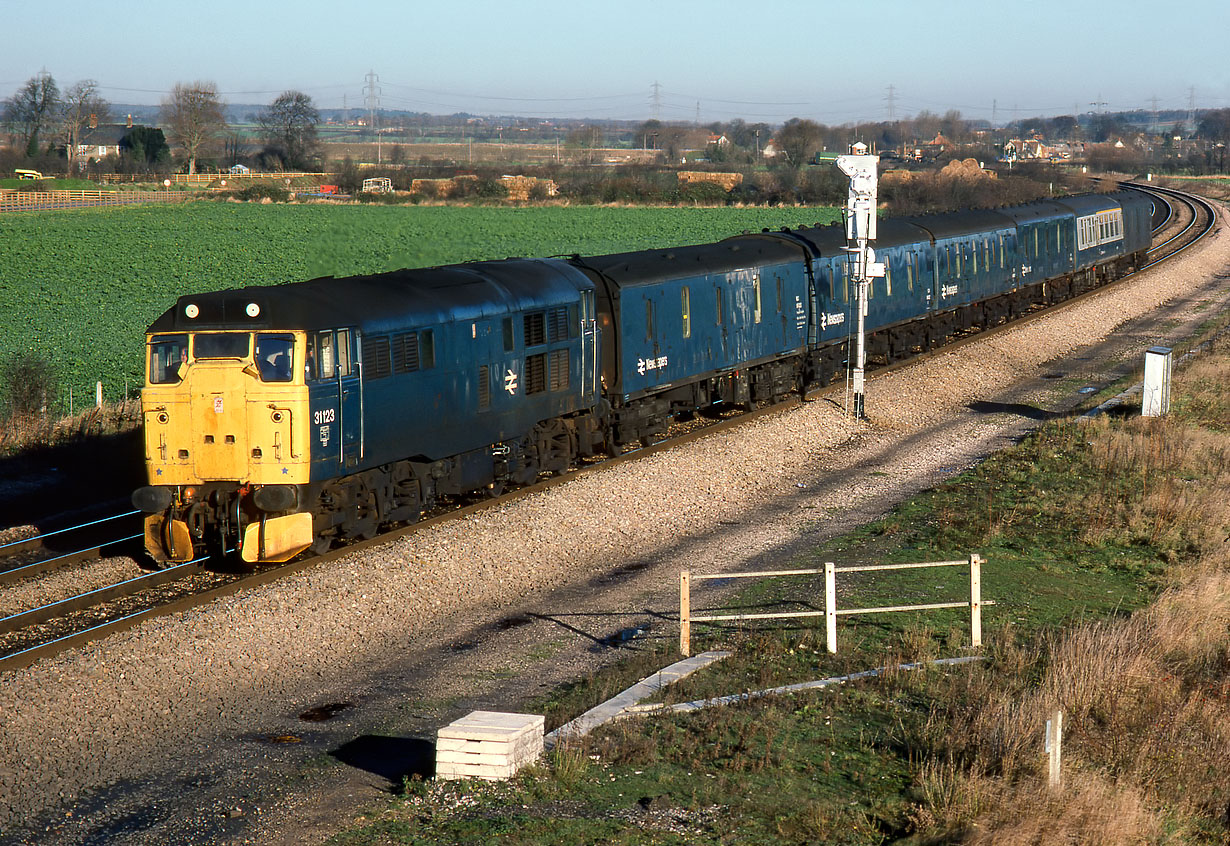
pixel 275 357
pixel 166 354
pixel 326 361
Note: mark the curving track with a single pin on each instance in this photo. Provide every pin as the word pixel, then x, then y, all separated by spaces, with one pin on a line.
pixel 1180 220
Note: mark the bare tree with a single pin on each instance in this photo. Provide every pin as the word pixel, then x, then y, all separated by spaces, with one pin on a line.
pixel 800 139
pixel 32 109
pixel 195 119
pixel 289 128
pixel 82 108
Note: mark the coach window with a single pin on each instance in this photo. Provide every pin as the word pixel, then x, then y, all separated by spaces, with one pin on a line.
pixel 685 297
pixel 888 277
pixel 909 271
pixel 648 319
pixel 166 354
pixel 275 357
pixel 756 294
pixel 718 299
pixel 780 293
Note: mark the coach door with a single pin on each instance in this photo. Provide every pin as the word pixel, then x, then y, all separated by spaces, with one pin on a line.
pixel 589 345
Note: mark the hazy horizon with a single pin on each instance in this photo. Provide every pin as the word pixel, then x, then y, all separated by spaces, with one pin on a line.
pixel 714 61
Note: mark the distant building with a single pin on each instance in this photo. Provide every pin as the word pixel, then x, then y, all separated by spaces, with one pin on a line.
pixel 102 141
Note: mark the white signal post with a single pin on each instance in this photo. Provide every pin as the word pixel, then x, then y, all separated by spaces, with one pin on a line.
pixel 860 230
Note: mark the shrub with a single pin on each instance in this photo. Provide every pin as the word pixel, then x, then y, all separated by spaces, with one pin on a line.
pixel 31 385
pixel 262 191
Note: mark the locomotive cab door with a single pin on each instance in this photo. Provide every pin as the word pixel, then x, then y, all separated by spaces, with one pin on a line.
pixel 350 390
pixel 336 394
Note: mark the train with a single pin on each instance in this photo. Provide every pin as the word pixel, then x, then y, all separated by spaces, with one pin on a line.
pixel 283 419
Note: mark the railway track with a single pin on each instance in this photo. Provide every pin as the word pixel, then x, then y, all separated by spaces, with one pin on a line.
pixel 1180 220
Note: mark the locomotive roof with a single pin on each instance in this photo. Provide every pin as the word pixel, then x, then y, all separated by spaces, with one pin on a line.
pixel 418 296
pixel 654 266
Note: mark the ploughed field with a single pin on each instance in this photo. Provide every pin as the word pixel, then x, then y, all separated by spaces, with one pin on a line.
pixel 78 288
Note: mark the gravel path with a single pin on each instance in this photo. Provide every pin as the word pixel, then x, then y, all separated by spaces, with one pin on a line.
pixel 406 630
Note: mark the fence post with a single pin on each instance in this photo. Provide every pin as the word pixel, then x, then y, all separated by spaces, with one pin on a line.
pixel 1054 740
pixel 98 394
pixel 685 613
pixel 830 605
pixel 975 598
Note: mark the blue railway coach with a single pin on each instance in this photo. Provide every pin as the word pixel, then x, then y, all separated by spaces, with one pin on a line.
pixel 693 327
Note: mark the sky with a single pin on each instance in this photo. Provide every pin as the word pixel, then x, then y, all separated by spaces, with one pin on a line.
pixel 763 61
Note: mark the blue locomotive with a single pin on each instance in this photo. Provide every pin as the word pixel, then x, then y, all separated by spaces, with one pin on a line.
pixel 284 418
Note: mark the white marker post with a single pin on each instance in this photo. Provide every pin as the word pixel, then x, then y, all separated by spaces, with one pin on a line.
pixel 861 229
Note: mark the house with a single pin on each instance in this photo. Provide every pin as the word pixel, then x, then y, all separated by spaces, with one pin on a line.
pixel 718 140
pixel 102 141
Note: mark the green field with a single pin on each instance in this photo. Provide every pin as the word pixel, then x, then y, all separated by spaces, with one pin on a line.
pixel 78 288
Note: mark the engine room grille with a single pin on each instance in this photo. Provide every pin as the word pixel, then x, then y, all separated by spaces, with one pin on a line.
pixel 557 327
pixel 559 370
pixel 535 329
pixel 484 388
pixel 536 373
pixel 406 352
pixel 376 363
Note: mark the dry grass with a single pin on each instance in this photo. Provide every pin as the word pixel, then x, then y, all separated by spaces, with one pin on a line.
pixel 1145 699
pixel 20 432
pixel 1160 482
pixel 1146 705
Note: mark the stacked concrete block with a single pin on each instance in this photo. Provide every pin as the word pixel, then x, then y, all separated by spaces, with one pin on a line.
pixel 488 744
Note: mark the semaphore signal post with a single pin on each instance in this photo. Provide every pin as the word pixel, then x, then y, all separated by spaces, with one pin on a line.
pixel 860 231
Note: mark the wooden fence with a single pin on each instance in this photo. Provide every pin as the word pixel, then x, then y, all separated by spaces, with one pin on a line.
pixel 206 178
pixel 11 200
pixel 831 612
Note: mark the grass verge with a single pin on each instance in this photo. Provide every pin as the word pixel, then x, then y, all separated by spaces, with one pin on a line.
pixel 1107 551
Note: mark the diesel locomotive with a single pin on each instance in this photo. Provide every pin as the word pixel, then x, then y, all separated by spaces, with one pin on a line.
pixel 281 419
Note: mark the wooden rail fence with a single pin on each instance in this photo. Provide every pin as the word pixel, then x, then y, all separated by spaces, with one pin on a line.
pixel 11 200
pixel 831 612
